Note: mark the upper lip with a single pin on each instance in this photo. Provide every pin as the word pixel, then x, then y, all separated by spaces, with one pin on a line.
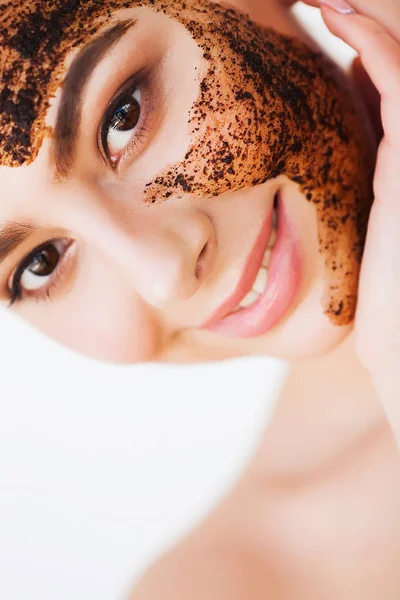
pixel 249 273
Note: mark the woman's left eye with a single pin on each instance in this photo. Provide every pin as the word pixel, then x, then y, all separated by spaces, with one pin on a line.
pixel 120 122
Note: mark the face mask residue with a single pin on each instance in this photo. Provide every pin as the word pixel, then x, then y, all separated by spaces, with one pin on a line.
pixel 268 106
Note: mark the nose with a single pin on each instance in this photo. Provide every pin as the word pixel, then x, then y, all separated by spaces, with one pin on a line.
pixel 174 261
pixel 165 256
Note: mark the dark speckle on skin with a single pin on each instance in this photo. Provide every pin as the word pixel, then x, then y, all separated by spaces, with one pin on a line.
pixel 285 111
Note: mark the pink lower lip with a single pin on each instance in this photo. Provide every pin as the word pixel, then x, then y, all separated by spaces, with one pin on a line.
pixel 284 278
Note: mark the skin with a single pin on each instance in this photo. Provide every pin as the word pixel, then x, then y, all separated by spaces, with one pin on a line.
pixel 316 513
pixel 204 169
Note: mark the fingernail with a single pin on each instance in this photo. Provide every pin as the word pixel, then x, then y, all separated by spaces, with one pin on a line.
pixel 339 6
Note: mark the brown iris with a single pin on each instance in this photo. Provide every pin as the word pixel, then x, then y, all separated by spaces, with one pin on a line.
pixel 123 114
pixel 126 117
pixel 45 261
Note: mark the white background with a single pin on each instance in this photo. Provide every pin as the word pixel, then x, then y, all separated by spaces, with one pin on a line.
pixel 101 467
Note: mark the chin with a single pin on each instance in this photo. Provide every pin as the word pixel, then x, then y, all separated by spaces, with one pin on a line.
pixel 307 343
pixel 300 337
pixel 305 333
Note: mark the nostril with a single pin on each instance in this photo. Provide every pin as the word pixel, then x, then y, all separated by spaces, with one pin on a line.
pixel 200 262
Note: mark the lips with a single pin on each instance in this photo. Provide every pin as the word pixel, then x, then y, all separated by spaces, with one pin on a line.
pixel 284 278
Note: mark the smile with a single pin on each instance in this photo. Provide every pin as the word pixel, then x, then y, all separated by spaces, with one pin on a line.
pixel 269 282
pixel 261 280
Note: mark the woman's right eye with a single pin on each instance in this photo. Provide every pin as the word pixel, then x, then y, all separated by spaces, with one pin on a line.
pixel 120 122
pixel 36 274
pixel 42 265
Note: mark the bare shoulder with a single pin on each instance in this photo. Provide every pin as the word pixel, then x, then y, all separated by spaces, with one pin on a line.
pixel 219 560
pixel 195 570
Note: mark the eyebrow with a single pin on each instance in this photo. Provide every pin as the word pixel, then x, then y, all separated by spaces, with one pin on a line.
pixel 12 235
pixel 66 131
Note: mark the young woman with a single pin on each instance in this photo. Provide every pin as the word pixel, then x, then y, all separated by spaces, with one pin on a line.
pixel 178 184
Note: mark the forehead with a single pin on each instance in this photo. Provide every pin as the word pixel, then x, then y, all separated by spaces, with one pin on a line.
pixel 36 37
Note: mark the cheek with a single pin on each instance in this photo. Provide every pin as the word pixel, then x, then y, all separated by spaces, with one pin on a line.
pixel 106 322
pixel 273 107
pixel 118 344
pixel 235 140
pixel 122 339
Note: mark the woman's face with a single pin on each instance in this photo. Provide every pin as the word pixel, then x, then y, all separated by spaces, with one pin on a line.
pixel 177 182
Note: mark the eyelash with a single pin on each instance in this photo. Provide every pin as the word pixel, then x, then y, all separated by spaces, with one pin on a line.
pixel 61 271
pixel 139 137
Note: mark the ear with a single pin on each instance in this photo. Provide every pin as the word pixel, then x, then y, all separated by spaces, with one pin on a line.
pixel 370 95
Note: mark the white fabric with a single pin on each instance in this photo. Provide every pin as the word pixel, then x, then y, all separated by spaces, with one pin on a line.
pixel 103 467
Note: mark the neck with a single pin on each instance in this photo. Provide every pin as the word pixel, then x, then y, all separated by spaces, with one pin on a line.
pixel 327 406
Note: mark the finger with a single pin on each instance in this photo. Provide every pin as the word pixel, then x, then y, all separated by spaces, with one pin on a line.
pixel 380 280
pixel 384 12
pixel 378 315
pixel 378 50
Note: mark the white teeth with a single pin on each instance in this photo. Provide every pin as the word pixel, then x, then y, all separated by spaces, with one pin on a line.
pixel 272 239
pixel 249 299
pixel 267 258
pixel 237 309
pixel 262 277
pixel 261 281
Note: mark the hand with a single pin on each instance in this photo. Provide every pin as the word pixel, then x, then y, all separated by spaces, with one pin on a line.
pixel 373 30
